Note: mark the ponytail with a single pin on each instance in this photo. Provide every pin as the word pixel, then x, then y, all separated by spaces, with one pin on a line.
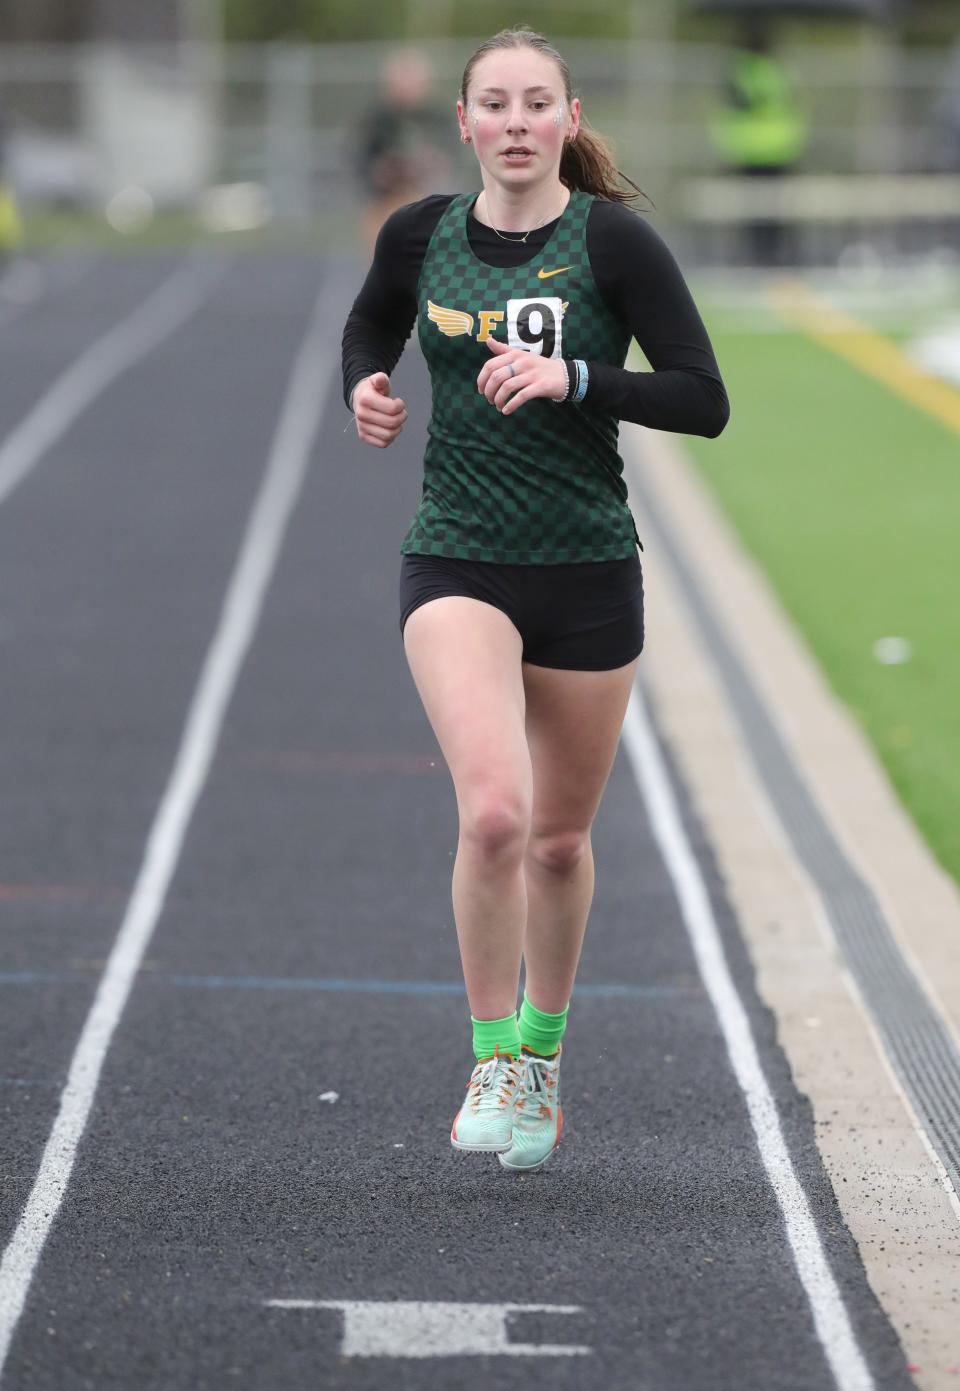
pixel 587 161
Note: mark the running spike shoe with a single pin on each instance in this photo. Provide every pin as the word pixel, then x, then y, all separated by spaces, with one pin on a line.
pixel 538 1118
pixel 485 1120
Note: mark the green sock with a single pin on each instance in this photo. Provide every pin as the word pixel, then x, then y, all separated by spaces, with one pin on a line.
pixel 541 1032
pixel 487 1033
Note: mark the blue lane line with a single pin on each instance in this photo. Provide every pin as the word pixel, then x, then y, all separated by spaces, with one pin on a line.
pixel 369 987
pixel 29 1082
pixel 372 987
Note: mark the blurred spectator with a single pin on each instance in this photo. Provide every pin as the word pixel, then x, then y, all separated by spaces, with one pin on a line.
pixel 760 130
pixel 403 140
pixel 9 217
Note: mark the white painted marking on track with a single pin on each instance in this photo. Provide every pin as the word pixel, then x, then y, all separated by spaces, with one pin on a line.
pixel 413 1328
pixel 829 1312
pixel 166 309
pixel 282 480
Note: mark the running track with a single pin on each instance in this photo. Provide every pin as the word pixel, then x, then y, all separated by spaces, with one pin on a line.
pixel 232 1029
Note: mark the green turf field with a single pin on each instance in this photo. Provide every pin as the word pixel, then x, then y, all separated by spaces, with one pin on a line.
pixel 849 498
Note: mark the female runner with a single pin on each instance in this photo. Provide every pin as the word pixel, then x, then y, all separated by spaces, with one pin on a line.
pixel 521 598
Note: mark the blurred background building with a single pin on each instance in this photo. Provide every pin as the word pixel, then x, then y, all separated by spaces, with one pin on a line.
pixel 244 114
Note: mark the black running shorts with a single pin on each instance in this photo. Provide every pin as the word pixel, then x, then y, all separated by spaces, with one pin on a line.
pixel 584 617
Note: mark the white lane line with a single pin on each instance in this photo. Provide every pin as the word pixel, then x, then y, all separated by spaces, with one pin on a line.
pixel 283 476
pixel 829 1312
pixel 163 311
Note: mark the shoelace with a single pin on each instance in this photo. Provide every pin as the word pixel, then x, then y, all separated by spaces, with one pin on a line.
pixel 536 1083
pixel 490 1087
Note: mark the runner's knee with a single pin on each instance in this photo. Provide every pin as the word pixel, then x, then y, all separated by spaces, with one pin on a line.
pixel 495 822
pixel 558 851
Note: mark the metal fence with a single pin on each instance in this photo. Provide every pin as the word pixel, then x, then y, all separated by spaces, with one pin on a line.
pixel 86 123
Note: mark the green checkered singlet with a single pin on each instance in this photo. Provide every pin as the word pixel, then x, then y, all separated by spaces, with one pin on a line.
pixel 543 485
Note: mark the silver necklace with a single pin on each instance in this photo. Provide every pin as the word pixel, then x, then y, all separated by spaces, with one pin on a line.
pixel 517 240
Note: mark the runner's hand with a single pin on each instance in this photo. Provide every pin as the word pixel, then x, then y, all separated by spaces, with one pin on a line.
pixel 380 417
pixel 535 376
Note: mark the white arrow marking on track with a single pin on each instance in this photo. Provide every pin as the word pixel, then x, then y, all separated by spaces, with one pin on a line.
pixel 411 1328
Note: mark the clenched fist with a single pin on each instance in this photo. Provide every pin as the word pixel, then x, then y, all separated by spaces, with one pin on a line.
pixel 380 417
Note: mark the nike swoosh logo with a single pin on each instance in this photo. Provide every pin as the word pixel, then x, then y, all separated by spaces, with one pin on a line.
pixel 545 274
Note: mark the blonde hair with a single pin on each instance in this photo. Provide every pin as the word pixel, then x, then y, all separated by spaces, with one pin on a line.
pixel 587 162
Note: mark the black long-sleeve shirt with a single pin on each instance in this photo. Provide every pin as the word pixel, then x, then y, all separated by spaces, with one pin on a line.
pixel 636 275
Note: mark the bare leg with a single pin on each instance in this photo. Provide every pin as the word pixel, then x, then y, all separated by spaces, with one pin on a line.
pixel 559 895
pixel 573 724
pixel 464 656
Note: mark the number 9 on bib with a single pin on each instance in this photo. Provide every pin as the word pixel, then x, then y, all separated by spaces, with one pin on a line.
pixel 534 325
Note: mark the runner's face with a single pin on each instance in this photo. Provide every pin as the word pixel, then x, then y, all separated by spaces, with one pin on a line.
pixel 516 98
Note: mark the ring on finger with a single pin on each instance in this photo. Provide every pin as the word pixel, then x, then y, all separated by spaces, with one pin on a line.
pixel 512 368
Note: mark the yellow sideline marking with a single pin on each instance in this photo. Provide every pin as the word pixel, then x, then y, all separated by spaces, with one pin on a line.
pixel 796 303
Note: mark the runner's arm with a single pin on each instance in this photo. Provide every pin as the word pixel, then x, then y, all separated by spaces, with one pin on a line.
pixel 385 310
pixel 641 282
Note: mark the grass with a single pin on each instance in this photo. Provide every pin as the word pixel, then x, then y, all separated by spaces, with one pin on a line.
pixel 849 499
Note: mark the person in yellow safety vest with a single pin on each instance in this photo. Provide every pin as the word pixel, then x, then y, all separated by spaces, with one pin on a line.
pixel 761 129
pixel 11 230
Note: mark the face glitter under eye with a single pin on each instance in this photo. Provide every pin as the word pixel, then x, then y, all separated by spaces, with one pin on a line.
pixel 558 114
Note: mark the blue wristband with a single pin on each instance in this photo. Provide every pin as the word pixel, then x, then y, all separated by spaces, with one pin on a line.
pixel 583 376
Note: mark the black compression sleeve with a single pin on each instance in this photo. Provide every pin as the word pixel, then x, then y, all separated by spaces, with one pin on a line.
pixel 641 282
pixel 385 310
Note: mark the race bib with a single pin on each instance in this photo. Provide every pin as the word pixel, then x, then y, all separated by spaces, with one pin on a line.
pixel 534 325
